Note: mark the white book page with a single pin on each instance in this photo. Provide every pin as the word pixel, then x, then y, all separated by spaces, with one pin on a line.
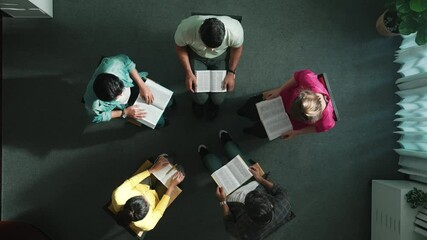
pixel 165 174
pixel 274 117
pixel 225 179
pixel 203 81
pixel 232 175
pixel 217 80
pixel 161 94
pixel 153 113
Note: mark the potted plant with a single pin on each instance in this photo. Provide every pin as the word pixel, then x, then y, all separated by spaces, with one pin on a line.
pixel 416 198
pixel 404 17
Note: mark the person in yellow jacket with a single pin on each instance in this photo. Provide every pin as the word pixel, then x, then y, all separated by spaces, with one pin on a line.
pixel 136 204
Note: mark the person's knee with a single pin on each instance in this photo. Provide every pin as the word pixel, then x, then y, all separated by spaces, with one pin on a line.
pixel 217 98
pixel 200 98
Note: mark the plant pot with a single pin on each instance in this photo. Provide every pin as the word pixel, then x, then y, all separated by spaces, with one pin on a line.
pixel 383 29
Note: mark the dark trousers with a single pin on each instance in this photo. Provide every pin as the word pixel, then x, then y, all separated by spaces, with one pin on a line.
pixel 134 92
pixel 200 63
pixel 250 111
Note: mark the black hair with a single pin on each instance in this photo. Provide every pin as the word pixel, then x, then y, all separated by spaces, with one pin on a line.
pixel 259 207
pixel 134 210
pixel 212 32
pixel 107 87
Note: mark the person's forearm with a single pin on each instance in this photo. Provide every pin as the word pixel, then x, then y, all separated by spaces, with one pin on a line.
pixel 235 54
pixel 137 79
pixel 290 82
pixel 170 190
pixel 267 184
pixel 308 129
pixel 184 59
pixel 225 210
pixel 116 113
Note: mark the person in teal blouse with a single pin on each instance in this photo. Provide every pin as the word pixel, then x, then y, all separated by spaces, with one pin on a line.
pixel 113 89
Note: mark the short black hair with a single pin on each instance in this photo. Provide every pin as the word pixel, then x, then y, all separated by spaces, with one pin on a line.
pixel 212 32
pixel 107 87
pixel 259 207
pixel 135 209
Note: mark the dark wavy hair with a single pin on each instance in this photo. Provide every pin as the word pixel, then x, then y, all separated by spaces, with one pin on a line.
pixel 135 209
pixel 107 87
pixel 212 32
pixel 259 207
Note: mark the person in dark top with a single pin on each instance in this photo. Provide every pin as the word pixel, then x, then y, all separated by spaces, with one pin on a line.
pixel 254 210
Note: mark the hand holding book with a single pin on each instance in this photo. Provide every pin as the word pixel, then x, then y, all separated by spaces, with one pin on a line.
pixel 135 112
pixel 146 94
pixel 220 194
pixel 159 165
pixel 177 178
pixel 256 172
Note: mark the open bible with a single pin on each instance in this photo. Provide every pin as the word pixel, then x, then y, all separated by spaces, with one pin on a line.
pixel 233 174
pixel 164 176
pixel 274 117
pixel 210 80
pixel 154 110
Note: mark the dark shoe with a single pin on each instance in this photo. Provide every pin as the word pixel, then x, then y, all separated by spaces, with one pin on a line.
pixel 212 111
pixel 202 150
pixel 198 109
pixel 257 130
pixel 224 136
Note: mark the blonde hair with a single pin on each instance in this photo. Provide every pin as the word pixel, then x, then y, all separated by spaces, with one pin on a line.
pixel 307 107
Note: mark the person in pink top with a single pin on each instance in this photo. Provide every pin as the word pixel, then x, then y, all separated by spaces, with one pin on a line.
pixel 306 101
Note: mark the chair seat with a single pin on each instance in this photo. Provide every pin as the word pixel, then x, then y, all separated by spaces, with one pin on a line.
pixel 237 17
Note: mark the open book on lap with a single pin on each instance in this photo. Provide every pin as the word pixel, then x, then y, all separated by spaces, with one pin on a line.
pixel 164 176
pixel 155 110
pixel 233 174
pixel 210 80
pixel 274 117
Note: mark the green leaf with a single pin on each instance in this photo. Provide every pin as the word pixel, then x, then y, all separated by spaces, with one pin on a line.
pixel 408 26
pixel 402 6
pixel 418 5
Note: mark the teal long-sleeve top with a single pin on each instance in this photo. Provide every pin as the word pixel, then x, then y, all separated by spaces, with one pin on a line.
pixel 120 66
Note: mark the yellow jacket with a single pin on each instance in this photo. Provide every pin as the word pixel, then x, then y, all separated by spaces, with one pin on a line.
pixel 133 187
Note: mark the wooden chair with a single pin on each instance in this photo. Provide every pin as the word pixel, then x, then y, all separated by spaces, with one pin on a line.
pixel 324 80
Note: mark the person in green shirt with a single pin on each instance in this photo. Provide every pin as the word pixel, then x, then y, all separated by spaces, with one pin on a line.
pixel 113 89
